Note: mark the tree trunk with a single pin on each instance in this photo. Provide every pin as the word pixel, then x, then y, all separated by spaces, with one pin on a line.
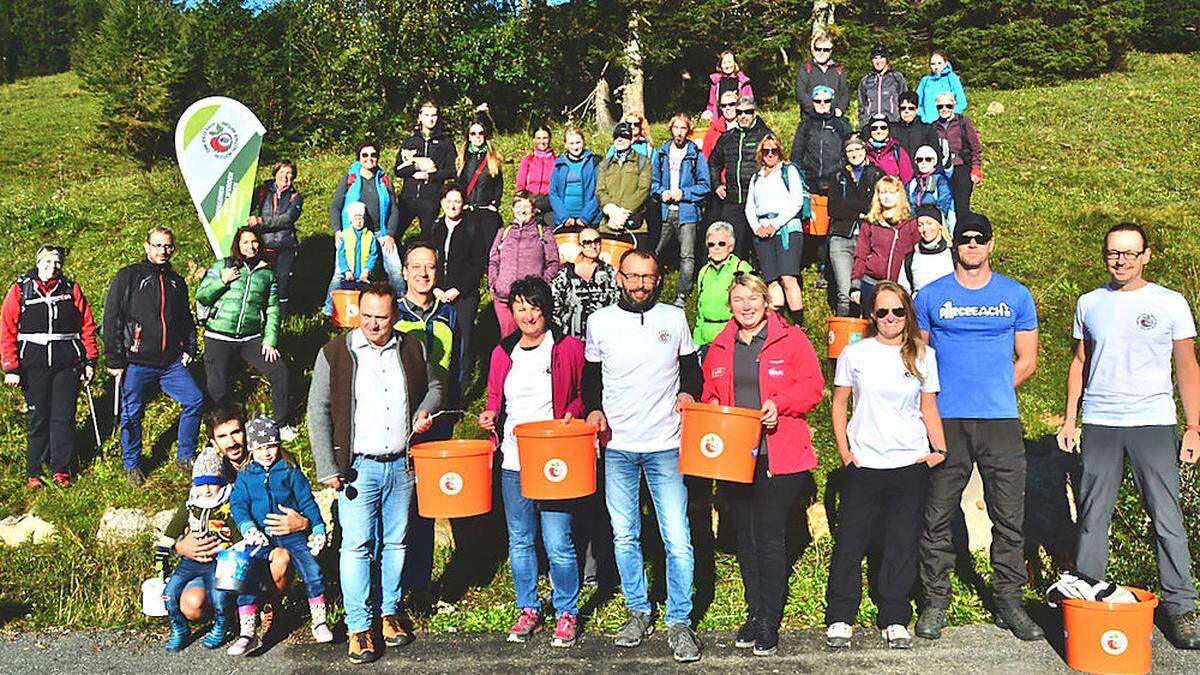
pixel 633 99
pixel 822 16
pixel 601 101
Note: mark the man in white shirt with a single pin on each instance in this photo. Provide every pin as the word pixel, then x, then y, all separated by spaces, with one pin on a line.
pixel 1127 333
pixel 370 388
pixel 640 368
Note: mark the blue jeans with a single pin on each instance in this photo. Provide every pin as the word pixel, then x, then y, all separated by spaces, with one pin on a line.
pixel 302 559
pixel 176 382
pixel 622 484
pixel 523 517
pixel 373 514
pixel 187 571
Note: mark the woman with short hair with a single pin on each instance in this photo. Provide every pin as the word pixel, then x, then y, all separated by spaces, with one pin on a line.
pixel 583 286
pixel 776 206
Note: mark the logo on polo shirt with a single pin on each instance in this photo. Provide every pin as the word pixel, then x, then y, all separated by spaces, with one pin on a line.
pixel 555 470
pixel 1114 642
pixel 450 483
pixel 711 446
pixel 664 337
pixel 1147 321
pixel 949 311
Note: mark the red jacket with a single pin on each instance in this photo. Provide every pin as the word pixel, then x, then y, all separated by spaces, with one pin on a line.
pixel 81 322
pixel 880 250
pixel 566 375
pixel 788 374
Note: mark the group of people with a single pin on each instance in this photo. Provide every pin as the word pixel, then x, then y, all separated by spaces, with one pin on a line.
pixel 932 387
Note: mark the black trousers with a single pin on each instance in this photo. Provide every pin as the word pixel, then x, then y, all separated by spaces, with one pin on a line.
pixel 998 447
pixel 760 512
pixel 735 214
pixel 961 188
pixel 425 211
pixel 487 223
pixel 285 259
pixel 50 395
pixel 219 358
pixel 890 502
pixel 466 306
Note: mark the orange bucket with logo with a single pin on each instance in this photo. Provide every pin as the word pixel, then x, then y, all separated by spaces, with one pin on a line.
pixel 558 459
pixel 819 225
pixel 1107 637
pixel 720 442
pixel 345 308
pixel 843 332
pixel 568 246
pixel 454 478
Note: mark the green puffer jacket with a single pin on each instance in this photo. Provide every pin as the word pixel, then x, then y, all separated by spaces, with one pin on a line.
pixel 246 306
pixel 712 305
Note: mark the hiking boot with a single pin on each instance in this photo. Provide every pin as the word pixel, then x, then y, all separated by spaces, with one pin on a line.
pixel 637 627
pixel 745 634
pixel 1014 618
pixel 135 478
pixel 218 635
pixel 684 644
pixel 267 616
pixel 897 637
pixel 838 635
pixel 1183 630
pixel 565 631
pixel 62 480
pixel 529 621
pixel 34 483
pixel 931 622
pixel 362 647
pixel 179 636
pixel 767 640
pixel 394 634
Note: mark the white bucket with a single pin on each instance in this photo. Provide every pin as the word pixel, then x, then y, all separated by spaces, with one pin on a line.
pixel 153 603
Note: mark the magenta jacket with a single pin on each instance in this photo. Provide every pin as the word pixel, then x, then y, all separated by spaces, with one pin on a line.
pixel 788 374
pixel 521 250
pixel 533 174
pixel 893 159
pixel 566 375
pixel 744 89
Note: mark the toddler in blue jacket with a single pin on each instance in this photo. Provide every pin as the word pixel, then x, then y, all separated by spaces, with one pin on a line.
pixel 272 479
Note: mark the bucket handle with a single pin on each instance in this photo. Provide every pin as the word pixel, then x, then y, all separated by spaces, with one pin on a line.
pixel 408 441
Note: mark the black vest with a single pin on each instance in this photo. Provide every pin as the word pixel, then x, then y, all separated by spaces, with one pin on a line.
pixel 49 330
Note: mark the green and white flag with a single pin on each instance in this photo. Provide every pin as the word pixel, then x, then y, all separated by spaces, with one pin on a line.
pixel 217 142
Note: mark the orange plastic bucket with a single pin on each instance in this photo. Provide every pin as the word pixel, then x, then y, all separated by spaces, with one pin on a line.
pixel 454 478
pixel 611 250
pixel 1105 637
pixel 568 246
pixel 819 225
pixel 719 442
pixel 558 459
pixel 843 332
pixel 345 308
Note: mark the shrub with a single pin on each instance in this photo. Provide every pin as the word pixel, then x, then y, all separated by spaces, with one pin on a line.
pixel 1170 26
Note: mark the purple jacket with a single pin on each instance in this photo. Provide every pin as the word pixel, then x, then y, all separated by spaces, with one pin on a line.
pixel 520 250
pixel 566 375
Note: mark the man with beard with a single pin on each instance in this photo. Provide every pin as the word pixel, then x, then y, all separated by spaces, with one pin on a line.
pixel 640 369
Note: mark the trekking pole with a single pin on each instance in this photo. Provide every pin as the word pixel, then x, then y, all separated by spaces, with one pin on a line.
pixel 117 402
pixel 87 388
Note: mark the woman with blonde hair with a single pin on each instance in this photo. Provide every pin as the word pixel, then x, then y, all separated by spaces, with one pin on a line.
pixel 758 361
pixel 888 449
pixel 481 176
pixel 887 235
pixel 776 206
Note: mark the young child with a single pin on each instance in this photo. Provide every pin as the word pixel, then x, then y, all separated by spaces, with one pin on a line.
pixel 355 256
pixel 206 513
pixel 270 480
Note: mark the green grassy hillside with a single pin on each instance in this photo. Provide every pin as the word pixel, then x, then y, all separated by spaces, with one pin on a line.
pixel 1062 164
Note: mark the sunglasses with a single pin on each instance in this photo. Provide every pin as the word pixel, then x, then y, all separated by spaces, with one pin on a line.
pixel 921 160
pixel 589 242
pixel 908 107
pixel 716 244
pixel 822 49
pixel 370 155
pixel 729 105
pixel 770 151
pixel 898 312
pixel 879 127
pixel 822 101
pixel 964 239
pixel 945 106
pixel 745 111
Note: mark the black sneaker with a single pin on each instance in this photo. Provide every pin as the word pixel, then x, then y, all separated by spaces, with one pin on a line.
pixel 1014 618
pixel 931 623
pixel 767 640
pixel 684 643
pixel 637 627
pixel 1183 630
pixel 745 634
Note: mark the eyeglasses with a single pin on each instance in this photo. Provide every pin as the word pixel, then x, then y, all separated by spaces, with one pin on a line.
pixel 879 127
pixel 589 242
pixel 822 49
pixel 908 107
pixel 945 106
pixel 898 312
pixel 745 111
pixel 922 160
pixel 165 247
pixel 641 278
pixel 822 101
pixel 717 244
pixel 635 124
pixel 729 105
pixel 1113 256
pixel 369 155
pixel 770 151
pixel 964 239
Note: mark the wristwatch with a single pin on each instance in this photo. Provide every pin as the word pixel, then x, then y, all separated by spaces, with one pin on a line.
pixel 938 451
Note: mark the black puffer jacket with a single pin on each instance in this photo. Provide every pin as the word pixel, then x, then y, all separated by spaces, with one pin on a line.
pixel 147 319
pixel 279 213
pixel 438 147
pixel 848 198
pixel 817 148
pixel 734 155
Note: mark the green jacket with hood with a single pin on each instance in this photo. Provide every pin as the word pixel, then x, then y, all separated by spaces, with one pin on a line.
pixel 246 306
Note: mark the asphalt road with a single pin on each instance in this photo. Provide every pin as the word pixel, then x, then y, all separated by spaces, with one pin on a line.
pixel 975 649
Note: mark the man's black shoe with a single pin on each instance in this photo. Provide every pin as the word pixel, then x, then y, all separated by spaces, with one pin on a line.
pixel 1015 619
pixel 931 623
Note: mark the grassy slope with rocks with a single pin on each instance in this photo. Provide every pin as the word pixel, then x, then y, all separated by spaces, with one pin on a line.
pixel 1063 163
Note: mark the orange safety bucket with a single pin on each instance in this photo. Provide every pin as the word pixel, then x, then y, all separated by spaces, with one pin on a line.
pixel 1105 637
pixel 345 308
pixel 454 478
pixel 819 225
pixel 558 459
pixel 568 246
pixel 719 442
pixel 843 332
pixel 611 250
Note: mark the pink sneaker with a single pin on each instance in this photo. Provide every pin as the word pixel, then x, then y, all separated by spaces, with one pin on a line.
pixel 529 621
pixel 564 631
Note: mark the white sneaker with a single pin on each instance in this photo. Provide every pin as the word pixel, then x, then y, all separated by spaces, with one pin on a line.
pixel 897 637
pixel 321 633
pixel 838 635
pixel 288 433
pixel 243 645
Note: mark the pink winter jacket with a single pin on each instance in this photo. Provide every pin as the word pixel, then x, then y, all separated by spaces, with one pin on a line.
pixel 520 250
pixel 744 89
pixel 533 174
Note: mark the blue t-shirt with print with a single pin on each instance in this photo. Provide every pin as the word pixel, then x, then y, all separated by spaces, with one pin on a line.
pixel 972 333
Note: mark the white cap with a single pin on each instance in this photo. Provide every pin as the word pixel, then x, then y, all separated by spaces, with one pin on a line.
pixel 356 209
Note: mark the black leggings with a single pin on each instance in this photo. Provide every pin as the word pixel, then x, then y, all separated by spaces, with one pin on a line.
pixel 961 188
pixel 219 357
